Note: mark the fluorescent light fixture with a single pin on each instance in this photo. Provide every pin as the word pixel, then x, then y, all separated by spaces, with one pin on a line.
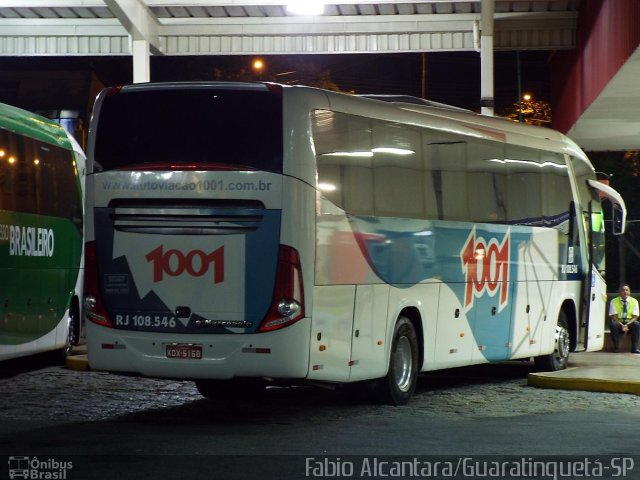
pixel 388 150
pixel 305 7
pixel 348 154
pixel 327 187
pixel 393 150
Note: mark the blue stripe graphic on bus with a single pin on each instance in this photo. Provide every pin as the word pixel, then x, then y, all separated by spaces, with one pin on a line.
pixel 478 264
pixel 137 299
pixel 260 266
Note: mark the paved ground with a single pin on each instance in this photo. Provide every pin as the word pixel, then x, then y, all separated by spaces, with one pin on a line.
pixel 594 371
pixel 483 391
pixel 133 428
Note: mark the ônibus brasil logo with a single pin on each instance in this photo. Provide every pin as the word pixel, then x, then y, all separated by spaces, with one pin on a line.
pixel 486 268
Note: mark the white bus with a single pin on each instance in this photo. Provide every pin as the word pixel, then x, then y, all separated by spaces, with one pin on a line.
pixel 245 233
pixel 41 235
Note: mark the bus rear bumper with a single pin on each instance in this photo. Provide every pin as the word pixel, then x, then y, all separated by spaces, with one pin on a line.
pixel 280 354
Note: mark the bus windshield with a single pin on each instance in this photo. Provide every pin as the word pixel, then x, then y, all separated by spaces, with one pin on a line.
pixel 192 127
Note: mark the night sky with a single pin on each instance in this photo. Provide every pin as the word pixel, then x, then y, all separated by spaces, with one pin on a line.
pixel 451 77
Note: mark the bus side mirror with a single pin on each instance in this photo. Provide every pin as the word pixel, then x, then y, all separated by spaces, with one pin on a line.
pixel 618 220
pixel 619 208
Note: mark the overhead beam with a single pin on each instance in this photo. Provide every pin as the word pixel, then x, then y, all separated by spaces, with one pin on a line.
pixel 208 3
pixel 284 25
pixel 138 20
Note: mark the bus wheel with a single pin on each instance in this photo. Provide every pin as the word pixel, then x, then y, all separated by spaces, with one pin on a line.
pixel 559 358
pixel 72 333
pixel 400 382
pixel 74 325
pixel 234 389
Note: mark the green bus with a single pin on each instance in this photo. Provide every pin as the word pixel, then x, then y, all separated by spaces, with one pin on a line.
pixel 41 235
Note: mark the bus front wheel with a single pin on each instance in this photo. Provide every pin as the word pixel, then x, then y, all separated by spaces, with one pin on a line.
pixel 400 382
pixel 559 358
pixel 72 332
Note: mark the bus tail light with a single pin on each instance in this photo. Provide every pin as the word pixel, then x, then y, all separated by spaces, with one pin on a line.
pixel 93 307
pixel 287 306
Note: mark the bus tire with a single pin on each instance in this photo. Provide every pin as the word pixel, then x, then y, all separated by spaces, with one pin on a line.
pixel 74 323
pixel 559 358
pixel 399 384
pixel 72 334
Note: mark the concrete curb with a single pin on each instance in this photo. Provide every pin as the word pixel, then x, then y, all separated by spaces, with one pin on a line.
pixel 576 382
pixel 77 362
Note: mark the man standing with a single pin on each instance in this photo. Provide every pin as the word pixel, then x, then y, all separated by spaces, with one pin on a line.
pixel 623 317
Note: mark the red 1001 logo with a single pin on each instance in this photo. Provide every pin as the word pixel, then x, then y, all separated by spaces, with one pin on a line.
pixel 196 263
pixel 486 268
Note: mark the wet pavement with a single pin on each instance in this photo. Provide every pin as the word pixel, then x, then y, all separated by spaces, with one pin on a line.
pixel 592 371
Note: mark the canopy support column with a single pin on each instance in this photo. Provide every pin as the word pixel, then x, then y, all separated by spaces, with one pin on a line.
pixel 486 57
pixel 141 61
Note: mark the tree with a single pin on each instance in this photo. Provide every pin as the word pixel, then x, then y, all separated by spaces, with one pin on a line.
pixel 532 112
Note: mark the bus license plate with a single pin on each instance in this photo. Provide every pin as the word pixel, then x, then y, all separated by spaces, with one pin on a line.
pixel 187 352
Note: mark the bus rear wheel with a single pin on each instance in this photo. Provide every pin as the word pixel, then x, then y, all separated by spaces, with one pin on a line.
pixel 399 384
pixel 559 358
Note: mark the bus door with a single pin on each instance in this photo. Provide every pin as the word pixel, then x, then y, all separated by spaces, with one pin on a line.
pixel 595 296
pixel 588 233
pixel 595 287
pixel 582 253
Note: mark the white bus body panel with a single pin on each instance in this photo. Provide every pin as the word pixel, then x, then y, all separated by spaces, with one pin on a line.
pixel 370 324
pixel 331 332
pixel 53 340
pixel 223 356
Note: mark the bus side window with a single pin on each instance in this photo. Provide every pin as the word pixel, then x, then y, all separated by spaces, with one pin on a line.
pixel 343 155
pixel 448 158
pixel 397 165
pixel 524 202
pixel 574 216
pixel 9 156
pixel 556 192
pixel 485 161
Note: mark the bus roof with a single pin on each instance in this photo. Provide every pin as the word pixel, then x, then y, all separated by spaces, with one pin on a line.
pixel 400 108
pixel 31 125
pixel 441 116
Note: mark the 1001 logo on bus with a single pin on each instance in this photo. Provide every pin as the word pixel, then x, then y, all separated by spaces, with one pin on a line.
pixel 486 268
pixel 196 263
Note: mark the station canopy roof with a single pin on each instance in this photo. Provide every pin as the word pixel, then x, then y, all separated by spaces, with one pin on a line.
pixel 246 27
pixel 267 27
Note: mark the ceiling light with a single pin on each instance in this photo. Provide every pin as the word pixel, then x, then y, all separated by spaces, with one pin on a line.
pixel 306 7
pixel 327 187
pixel 393 150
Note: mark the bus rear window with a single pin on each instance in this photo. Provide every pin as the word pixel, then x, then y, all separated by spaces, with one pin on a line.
pixel 233 128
